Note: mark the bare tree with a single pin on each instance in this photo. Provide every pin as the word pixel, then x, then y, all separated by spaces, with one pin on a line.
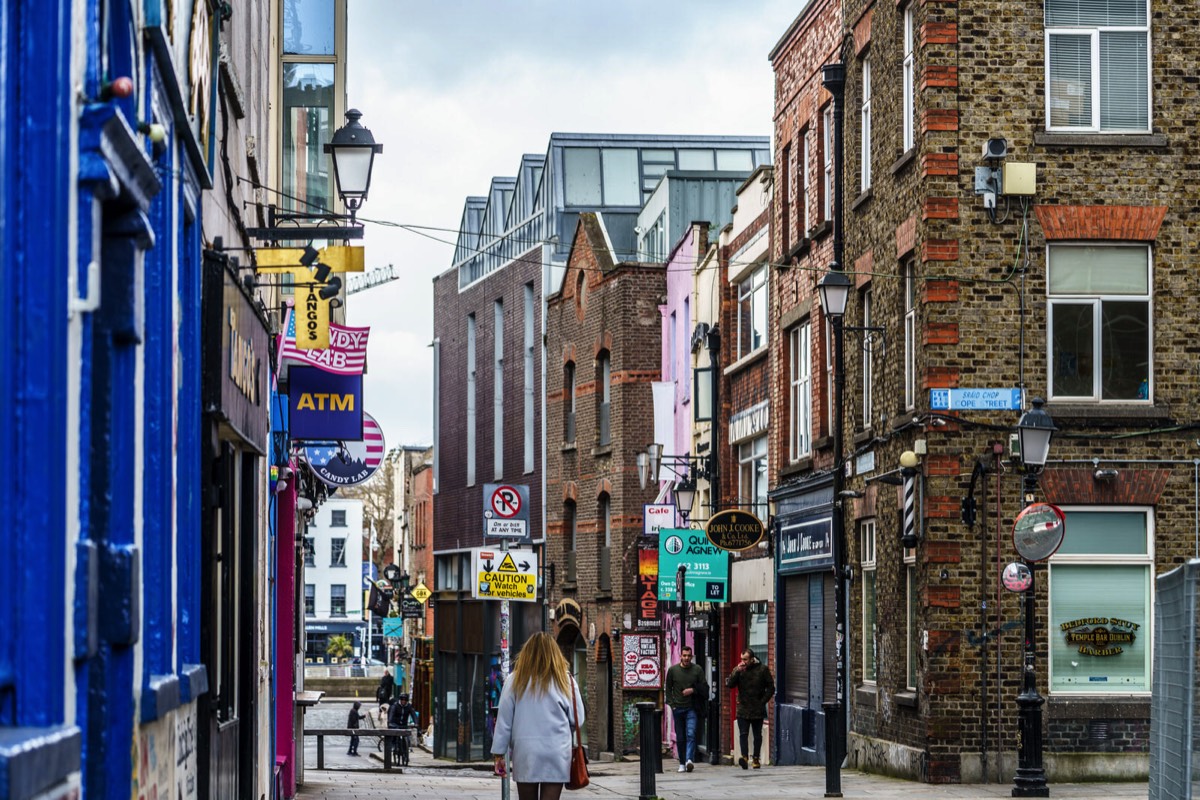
pixel 377 496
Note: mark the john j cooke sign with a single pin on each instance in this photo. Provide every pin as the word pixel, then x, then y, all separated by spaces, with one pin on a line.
pixel 734 530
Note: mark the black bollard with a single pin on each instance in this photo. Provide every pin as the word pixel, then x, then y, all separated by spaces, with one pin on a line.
pixel 658 727
pixel 648 746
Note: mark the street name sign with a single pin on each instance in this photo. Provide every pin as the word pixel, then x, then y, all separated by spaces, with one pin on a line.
pixel 504 574
pixel 975 399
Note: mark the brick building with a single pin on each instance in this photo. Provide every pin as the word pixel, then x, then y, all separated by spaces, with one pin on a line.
pixel 511 252
pixel 1073 288
pixel 603 339
pixel 799 443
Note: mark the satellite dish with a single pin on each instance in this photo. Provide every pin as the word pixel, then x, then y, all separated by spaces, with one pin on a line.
pixel 1038 531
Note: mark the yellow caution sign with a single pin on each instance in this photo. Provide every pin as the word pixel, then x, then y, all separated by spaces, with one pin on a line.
pixel 505 575
pixel 339 258
pixel 421 593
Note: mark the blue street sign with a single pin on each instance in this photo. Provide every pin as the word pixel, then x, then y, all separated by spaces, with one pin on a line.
pixel 975 399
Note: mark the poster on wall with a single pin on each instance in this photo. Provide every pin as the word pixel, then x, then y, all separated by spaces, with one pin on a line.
pixel 641 665
pixel 646 590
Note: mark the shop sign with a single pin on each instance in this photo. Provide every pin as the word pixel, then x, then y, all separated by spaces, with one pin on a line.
pixel 312 331
pixel 393 626
pixel 656 516
pixel 749 423
pixel 707 566
pixel 734 530
pixel 1099 636
pixel 806 544
pixel 324 405
pixel 239 394
pixel 411 607
pixel 646 589
pixel 348 463
pixel 347 353
pixel 641 662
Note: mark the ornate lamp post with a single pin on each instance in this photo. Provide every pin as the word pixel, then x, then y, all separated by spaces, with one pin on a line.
pixel 1035 431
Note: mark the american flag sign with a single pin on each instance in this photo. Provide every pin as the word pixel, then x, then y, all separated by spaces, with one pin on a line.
pixel 346 355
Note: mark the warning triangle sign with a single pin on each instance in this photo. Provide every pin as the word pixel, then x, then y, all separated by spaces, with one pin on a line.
pixel 507 564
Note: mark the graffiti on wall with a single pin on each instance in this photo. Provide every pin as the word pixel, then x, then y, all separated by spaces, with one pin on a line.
pixel 164 757
pixel 185 753
pixel 630 726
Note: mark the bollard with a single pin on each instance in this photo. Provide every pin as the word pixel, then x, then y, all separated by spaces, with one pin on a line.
pixel 658 729
pixel 646 718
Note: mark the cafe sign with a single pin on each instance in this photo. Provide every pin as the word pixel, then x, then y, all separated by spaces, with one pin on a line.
pixel 734 530
pixel 1099 636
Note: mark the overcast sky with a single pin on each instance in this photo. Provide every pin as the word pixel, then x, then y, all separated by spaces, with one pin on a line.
pixel 458 90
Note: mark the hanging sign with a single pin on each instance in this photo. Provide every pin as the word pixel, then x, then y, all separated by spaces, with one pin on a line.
pixel 323 405
pixel 346 354
pixel 734 530
pixel 656 516
pixel 348 463
pixel 312 331
pixel 646 589
pixel 421 593
pixel 706 576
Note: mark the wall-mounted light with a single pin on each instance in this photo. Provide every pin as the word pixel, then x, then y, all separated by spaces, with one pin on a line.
pixel 352 151
pixel 1106 474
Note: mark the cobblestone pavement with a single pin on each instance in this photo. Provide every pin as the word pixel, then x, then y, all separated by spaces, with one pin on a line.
pixel 347 778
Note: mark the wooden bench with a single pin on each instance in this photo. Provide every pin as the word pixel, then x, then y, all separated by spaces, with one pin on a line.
pixel 387 734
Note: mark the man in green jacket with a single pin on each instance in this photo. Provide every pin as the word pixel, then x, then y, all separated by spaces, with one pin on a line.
pixel 755 688
pixel 682 681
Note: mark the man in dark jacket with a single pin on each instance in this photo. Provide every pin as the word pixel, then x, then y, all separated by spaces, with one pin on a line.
pixel 683 679
pixel 399 715
pixel 755 688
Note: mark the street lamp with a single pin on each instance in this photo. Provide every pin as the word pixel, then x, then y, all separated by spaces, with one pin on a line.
pixel 352 150
pixel 685 496
pixel 1034 431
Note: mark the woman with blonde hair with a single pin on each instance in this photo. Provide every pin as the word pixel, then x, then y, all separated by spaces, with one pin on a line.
pixel 535 719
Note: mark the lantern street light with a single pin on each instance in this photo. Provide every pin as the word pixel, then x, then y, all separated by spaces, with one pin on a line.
pixel 1034 431
pixel 352 151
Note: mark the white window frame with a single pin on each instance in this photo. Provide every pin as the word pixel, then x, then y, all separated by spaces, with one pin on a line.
pixel 909 78
pixel 749 453
pixel 868 362
pixel 1093 32
pixel 800 391
pixel 1097 301
pixel 865 113
pixel 806 177
pixel 753 288
pixel 827 126
pixel 1117 559
pixel 870 650
pixel 910 335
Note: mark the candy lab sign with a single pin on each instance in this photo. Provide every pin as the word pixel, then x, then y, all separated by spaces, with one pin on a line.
pixel 1099 636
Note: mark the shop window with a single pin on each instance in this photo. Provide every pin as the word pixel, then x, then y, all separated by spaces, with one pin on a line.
pixel 1101 601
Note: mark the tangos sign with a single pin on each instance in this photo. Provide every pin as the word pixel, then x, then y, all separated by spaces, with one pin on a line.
pixel 324 405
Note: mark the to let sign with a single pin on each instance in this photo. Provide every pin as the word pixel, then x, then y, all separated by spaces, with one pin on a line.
pixel 706 577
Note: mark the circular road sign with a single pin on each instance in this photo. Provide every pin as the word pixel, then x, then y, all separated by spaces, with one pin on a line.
pixel 1038 531
pixel 506 502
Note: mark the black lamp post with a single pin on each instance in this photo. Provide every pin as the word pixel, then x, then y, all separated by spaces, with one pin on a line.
pixel 352 150
pixel 1034 431
pixel 835 290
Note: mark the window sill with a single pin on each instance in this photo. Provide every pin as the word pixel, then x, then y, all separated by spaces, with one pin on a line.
pixel 1114 414
pixel 821 230
pixel 901 420
pixel 602 450
pixel 906 158
pixel 862 199
pixel 908 699
pixel 746 360
pixel 567 447
pixel 1056 139
pixel 800 250
pixel 34 760
pixel 823 443
pixel 193 682
pixel 865 694
pixel 1113 707
pixel 160 696
pixel 802 465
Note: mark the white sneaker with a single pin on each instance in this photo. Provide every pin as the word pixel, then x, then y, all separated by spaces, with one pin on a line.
pixel 690 766
pixel 682 768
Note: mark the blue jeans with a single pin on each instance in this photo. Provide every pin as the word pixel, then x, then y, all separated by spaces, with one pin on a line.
pixel 685 726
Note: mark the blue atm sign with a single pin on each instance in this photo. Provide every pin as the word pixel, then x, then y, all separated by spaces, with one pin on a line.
pixel 324 405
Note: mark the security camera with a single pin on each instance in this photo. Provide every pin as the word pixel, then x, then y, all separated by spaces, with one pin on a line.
pixel 995 148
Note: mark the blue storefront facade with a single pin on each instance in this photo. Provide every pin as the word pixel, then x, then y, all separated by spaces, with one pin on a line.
pixel 102 143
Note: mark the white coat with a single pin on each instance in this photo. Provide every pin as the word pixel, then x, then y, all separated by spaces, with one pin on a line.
pixel 538 728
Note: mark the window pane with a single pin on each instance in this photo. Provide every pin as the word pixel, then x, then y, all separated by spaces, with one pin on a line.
pixel 760 317
pixel 744 330
pixel 1074 13
pixel 621 178
pixel 695 159
pixel 1070 81
pixel 911 577
pixel 736 160
pixel 1073 342
pixel 1125 345
pixel 1105 532
pixel 868 629
pixel 307 110
pixel 1124 94
pixel 1099 628
pixel 308 27
pixel 1099 270
pixel 581 176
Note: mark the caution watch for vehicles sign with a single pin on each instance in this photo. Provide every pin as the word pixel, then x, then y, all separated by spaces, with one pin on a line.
pixel 505 574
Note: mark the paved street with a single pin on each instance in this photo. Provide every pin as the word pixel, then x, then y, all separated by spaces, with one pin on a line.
pixel 429 779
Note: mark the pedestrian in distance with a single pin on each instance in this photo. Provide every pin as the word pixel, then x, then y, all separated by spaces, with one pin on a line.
pixel 399 715
pixel 685 682
pixel 383 694
pixel 353 723
pixel 755 687
pixel 537 714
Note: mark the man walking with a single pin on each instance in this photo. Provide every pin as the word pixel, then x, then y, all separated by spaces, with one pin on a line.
pixel 755 688
pixel 683 679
